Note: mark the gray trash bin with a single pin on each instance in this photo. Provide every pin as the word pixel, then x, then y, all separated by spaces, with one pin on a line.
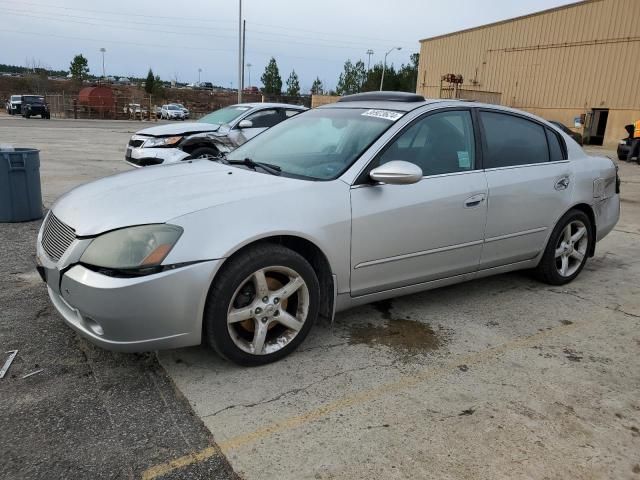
pixel 20 195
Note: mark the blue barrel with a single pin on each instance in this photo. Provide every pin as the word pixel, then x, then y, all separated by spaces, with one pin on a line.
pixel 20 194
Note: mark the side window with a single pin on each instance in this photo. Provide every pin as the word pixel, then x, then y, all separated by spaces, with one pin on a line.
pixel 265 118
pixel 556 152
pixel 512 140
pixel 438 143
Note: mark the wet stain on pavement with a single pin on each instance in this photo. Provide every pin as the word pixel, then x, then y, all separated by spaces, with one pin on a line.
pixel 402 335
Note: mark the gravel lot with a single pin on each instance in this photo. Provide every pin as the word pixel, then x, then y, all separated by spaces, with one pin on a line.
pixel 89 414
pixel 498 378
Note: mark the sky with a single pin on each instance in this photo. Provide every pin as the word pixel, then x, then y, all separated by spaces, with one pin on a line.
pixel 177 38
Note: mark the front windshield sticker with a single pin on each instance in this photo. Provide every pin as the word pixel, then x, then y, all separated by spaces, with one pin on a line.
pixel 386 114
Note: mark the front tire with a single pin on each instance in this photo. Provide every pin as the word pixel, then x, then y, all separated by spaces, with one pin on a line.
pixel 567 250
pixel 262 305
pixel 205 152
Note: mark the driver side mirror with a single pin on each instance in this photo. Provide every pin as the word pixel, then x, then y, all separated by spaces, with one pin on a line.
pixel 396 172
pixel 245 124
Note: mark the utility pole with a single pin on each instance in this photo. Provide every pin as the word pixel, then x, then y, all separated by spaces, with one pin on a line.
pixel 384 66
pixel 199 71
pixel 104 75
pixel 244 32
pixel 369 53
pixel 249 68
pixel 240 59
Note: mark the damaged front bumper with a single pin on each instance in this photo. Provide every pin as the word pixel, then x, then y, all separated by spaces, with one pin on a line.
pixel 144 157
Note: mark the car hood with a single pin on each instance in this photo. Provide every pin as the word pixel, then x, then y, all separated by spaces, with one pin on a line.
pixel 158 194
pixel 178 129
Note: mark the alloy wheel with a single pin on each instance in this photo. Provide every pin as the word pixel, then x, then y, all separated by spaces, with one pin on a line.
pixel 571 248
pixel 268 310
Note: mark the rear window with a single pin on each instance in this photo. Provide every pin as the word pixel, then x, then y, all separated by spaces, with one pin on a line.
pixel 512 140
pixel 556 152
pixel 15 98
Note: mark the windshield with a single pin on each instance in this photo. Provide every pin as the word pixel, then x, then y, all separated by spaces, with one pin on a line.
pixel 224 115
pixel 172 107
pixel 319 144
pixel 15 98
pixel 32 99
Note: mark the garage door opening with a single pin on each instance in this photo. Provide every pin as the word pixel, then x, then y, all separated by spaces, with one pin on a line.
pixel 596 126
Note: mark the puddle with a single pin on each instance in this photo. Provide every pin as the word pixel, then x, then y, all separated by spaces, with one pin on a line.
pixel 400 334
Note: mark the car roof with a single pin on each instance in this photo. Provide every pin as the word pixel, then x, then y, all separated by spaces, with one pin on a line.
pixel 269 105
pixel 407 102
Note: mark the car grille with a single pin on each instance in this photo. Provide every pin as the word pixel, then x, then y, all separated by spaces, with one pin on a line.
pixel 56 237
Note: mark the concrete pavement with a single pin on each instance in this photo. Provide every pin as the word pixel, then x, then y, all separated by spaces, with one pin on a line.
pixel 498 378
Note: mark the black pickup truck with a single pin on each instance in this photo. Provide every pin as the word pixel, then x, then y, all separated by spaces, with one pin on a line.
pixel 35 105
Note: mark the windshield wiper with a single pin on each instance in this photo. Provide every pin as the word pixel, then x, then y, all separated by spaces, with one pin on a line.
pixel 267 167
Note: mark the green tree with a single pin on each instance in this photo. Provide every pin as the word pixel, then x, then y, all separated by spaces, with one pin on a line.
pixel 149 83
pixel 352 78
pixel 404 79
pixel 317 88
pixel 408 74
pixel 79 68
pixel 271 78
pixel 293 84
pixel 158 87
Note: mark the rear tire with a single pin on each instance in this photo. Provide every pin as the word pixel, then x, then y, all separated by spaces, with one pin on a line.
pixel 566 253
pixel 251 317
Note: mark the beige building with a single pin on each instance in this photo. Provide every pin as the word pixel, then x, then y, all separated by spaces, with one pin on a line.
pixel 578 64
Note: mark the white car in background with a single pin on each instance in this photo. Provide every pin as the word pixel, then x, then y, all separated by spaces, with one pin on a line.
pixel 184 109
pixel 171 112
pixel 214 134
pixel 15 105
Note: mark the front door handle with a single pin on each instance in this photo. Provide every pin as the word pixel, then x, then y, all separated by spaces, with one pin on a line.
pixel 474 201
pixel 562 183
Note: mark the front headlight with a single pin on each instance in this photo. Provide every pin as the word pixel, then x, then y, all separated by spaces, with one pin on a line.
pixel 132 248
pixel 162 142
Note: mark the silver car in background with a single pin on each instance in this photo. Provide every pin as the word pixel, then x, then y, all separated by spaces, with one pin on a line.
pixel 171 112
pixel 184 109
pixel 376 196
pixel 216 133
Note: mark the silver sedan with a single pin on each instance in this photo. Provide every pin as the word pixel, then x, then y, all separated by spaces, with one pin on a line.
pixel 376 196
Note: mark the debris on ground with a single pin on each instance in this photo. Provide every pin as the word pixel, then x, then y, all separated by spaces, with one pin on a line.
pixel 33 373
pixel 7 363
pixel 572 355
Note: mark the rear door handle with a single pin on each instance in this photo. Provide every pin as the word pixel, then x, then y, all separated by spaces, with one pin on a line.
pixel 562 183
pixel 474 201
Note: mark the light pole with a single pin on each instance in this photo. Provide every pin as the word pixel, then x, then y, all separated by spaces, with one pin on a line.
pixel 384 65
pixel 103 50
pixel 249 69
pixel 369 53
pixel 240 59
pixel 199 71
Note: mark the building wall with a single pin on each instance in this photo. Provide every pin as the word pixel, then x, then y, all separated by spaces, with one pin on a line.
pixel 561 62
pixel 318 100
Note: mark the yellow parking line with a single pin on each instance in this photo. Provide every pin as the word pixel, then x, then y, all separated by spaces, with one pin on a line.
pixel 358 398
